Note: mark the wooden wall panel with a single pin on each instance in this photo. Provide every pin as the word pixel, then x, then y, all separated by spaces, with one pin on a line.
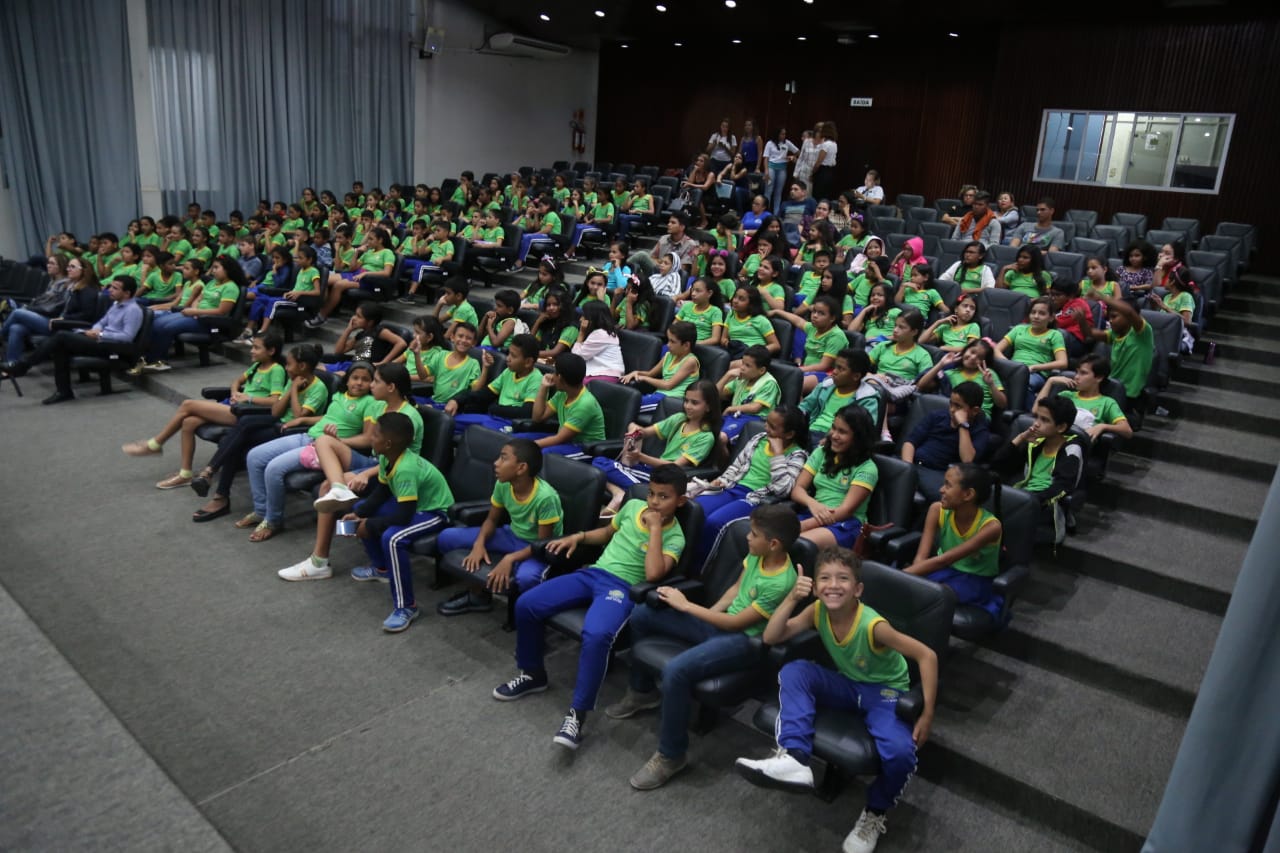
pixel 932 129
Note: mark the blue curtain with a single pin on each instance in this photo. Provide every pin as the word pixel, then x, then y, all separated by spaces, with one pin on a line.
pixel 66 117
pixel 259 99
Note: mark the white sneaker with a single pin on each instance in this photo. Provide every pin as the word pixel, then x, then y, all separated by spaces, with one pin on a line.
pixel 779 770
pixel 337 499
pixel 866 832
pixel 305 571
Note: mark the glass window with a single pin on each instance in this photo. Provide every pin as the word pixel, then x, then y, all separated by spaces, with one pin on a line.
pixel 1169 151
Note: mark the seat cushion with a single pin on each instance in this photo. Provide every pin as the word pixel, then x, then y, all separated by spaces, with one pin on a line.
pixel 839 738
pixel 303 481
pixel 732 688
pixel 569 622
pixel 450 565
pixel 212 432
pixel 972 623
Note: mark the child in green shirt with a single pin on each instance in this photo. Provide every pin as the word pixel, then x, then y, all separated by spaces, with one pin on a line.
pixel 576 409
pixel 532 511
pixel 674 372
pixel 642 542
pixel 496 403
pixel 750 390
pixel 723 632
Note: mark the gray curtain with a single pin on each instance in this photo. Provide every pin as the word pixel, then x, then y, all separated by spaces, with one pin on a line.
pixel 1223 792
pixel 66 117
pixel 259 99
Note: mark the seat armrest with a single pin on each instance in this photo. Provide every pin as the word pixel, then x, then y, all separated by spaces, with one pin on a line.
pixel 61 325
pixel 646 592
pixel 215 392
pixel 242 409
pixel 423 389
pixel 806 644
pixel 879 538
pixel 1010 582
pixel 610 448
pixel 910 705
pixel 525 425
pixel 903 549
pixel 469 513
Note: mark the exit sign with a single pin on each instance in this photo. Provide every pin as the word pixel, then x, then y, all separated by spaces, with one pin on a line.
pixel 859 102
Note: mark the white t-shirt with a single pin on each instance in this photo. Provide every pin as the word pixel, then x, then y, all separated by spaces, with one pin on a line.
pixel 830 147
pixel 876 193
pixel 722 146
pixel 777 154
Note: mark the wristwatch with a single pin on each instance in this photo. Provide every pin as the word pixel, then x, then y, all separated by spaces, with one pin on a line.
pixel 964 425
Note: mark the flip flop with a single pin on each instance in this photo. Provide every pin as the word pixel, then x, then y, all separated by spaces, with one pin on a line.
pixel 262 532
pixel 250 520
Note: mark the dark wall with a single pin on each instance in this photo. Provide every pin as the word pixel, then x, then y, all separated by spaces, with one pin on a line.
pixel 946 120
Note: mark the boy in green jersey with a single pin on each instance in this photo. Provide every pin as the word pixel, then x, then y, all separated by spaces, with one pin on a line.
pixel 578 413
pixel 533 513
pixel 508 396
pixel 871 658
pixel 724 634
pixel 642 543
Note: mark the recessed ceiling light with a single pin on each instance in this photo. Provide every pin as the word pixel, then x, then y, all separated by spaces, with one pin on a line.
pixel 800 38
pixel 737 41
pixel 873 36
pixel 544 16
pixel 810 2
pixel 679 44
pixel 660 8
pixel 624 45
pixel 1208 134
pixel 599 13
pixel 732 4
pixel 954 35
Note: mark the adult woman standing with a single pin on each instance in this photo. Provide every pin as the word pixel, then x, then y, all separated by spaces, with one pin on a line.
pixel 807 158
pixel 778 152
pixel 824 165
pixel 721 146
pixel 700 177
pixel 751 147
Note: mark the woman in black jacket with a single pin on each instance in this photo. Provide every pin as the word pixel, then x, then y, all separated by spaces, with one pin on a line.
pixel 73 295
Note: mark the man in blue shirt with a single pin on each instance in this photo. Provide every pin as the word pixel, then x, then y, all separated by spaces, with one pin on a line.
pixel 113 334
pixel 943 439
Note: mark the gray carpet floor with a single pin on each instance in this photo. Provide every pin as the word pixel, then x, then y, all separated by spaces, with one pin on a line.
pixel 165 687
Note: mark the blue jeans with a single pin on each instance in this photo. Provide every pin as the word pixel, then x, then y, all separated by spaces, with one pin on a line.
pixel 388 547
pixel 608 606
pixel 526 574
pixel 166 329
pixel 625 221
pixel 805 686
pixel 268 464
pixel 20 325
pixel 716 653
pixel 721 508
pixel 777 186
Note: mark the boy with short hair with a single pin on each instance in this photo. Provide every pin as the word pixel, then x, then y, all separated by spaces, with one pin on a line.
pixel 507 397
pixel 723 633
pixel 453 308
pixel 533 513
pixel 751 390
pixel 1132 342
pixel 943 438
pixel 454 373
pixel 812 279
pixel 674 372
pixel 642 543
pixel 576 409
pixel 842 387
pixel 437 253
pixel 871 674
pixel 408 500
pixel 1096 413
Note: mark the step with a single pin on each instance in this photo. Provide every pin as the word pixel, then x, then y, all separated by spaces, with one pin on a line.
pixel 1244 323
pixel 1238 347
pixel 1230 375
pixel 1192 497
pixel 1253 411
pixel 1256 285
pixel 1083 761
pixel 1154 556
pixel 1250 455
pixel 1111 637
pixel 1252 303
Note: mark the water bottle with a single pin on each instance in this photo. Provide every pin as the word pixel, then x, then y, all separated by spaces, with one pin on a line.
pixel 1210 351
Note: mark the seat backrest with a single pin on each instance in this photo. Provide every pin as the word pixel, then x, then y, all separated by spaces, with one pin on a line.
pixel 1069 264
pixel 945 205
pixel 620 403
pixel 661 199
pixel 857 340
pixel 938 230
pixel 790 381
pixel 1190 227
pixel 1233 246
pixel 921 407
pixel 1135 223
pixel 1084 219
pixel 437 437
pixel 948 290
pixel 921 214
pixel 143 337
pixel 1247 233
pixel 1116 237
pixel 906 201
pixel 1090 246
pixel 1002 255
pixel 581 489
pixel 889 225
pixel 1206 278
pixel 724 564
pixel 917 607
pixel 1167 329
pixel 895 491
pixel 1004 308
pixel 1068 228
pixel 1219 261
pixel 471 474
pixel 664 312
pixel 1019 513
pixel 1159 236
pixel 1014 375
pixel 786 334
pixel 640 350
pixel 713 361
pixel 667 181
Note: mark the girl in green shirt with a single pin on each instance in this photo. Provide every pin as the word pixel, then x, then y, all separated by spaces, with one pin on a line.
pixel 378 259
pixel 1026 274
pixel 842 475
pixel 961 543
pixel 876 320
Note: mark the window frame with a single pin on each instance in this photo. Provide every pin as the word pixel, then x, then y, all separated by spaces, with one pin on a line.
pixel 1105 156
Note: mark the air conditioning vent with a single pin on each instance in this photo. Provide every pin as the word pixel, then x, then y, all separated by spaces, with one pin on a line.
pixel 518 45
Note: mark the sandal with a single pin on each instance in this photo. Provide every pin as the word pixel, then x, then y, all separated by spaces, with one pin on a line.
pixel 262 532
pixel 250 520
pixel 205 514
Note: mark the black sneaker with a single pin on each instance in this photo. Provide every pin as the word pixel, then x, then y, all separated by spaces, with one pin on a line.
pixel 520 686
pixel 314 322
pixel 570 734
pixel 466 602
